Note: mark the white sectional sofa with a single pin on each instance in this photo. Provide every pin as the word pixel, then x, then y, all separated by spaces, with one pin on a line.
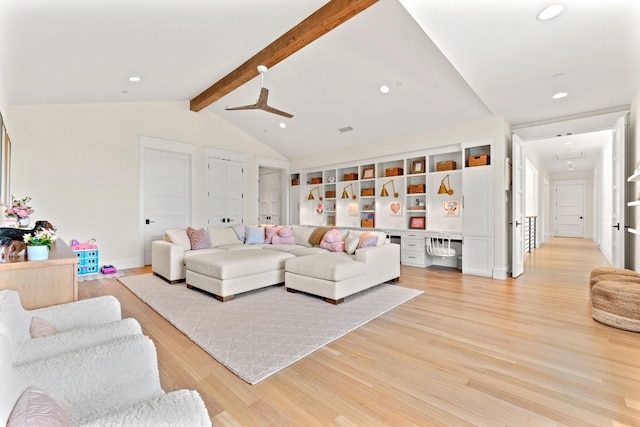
pixel 231 266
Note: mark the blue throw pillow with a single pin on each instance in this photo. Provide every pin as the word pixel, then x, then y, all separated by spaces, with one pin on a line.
pixel 254 235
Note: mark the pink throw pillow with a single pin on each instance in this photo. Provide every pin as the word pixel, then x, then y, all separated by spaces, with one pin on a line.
pixel 278 240
pixel 199 238
pixel 285 232
pixel 271 231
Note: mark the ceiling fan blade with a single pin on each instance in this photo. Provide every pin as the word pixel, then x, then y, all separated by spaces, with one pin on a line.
pixel 244 107
pixel 275 111
pixel 264 94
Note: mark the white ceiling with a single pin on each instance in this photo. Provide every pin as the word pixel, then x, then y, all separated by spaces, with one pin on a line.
pixel 447 62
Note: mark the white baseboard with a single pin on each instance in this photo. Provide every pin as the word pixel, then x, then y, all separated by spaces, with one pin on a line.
pixel 500 273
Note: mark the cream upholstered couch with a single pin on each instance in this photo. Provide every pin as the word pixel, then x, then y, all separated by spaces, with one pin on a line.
pixel 232 266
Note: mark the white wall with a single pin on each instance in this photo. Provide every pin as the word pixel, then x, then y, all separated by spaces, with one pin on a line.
pixel 80 164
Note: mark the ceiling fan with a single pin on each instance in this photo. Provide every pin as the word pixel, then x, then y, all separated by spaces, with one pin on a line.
pixel 262 99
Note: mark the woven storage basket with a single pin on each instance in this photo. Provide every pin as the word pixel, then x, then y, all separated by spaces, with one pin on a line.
pixel 393 171
pixel 366 192
pixel 366 223
pixel 448 165
pixel 350 176
pixel 418 188
pixel 480 160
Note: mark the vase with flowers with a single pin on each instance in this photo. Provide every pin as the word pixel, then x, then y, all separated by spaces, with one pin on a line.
pixel 20 211
pixel 39 244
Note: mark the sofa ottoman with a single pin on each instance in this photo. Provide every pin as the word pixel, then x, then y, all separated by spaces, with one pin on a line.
pixel 229 273
pixel 332 276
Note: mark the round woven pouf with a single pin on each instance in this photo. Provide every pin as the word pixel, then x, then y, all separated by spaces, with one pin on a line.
pixel 614 278
pixel 616 304
pixel 598 271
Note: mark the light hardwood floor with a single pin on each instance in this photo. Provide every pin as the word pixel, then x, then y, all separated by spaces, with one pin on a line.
pixel 469 351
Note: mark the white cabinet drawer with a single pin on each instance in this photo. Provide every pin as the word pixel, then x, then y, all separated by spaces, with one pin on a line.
pixel 413 245
pixel 413 235
pixel 412 258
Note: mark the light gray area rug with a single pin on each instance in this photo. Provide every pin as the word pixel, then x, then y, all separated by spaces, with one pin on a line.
pixel 98 275
pixel 261 332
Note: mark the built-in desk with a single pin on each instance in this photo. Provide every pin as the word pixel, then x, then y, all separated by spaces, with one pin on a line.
pixel 43 283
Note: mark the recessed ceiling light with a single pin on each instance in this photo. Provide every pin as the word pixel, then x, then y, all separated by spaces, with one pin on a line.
pixel 568 143
pixel 384 89
pixel 560 95
pixel 550 12
pixel 282 125
pixel 134 79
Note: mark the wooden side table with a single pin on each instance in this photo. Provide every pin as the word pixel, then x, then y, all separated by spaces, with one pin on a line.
pixel 43 283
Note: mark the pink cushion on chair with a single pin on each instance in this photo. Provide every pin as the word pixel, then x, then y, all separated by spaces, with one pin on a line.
pixel 41 328
pixel 35 408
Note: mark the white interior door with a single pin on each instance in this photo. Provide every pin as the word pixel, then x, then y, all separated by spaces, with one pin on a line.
pixel 165 189
pixel 270 200
pixel 619 181
pixel 224 199
pixel 569 203
pixel 518 208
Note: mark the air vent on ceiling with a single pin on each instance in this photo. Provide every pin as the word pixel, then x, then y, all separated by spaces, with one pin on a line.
pixel 571 155
pixel 345 129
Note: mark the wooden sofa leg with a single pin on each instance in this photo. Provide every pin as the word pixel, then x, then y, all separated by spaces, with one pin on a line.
pixel 293 291
pixel 224 299
pixel 334 301
pixel 167 280
pixel 396 280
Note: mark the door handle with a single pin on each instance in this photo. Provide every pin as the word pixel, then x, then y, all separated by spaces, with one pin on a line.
pixel 616 226
pixel 148 221
pixel 229 220
pixel 223 220
pixel 518 224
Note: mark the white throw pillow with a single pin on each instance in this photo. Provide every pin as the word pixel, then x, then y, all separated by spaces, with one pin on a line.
pixel 302 234
pixel 351 243
pixel 179 237
pixel 222 236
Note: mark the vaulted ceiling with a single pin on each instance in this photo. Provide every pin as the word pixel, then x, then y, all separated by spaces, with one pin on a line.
pixel 445 62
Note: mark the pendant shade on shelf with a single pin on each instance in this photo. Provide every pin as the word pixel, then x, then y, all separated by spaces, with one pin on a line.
pixel 345 193
pixel 443 188
pixel 385 193
pixel 311 197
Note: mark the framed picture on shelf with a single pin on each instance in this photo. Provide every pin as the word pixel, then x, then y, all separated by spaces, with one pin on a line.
pixel 417 222
pixel 417 166
pixel 368 173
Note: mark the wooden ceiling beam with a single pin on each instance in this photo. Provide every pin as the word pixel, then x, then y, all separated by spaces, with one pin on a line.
pixel 316 25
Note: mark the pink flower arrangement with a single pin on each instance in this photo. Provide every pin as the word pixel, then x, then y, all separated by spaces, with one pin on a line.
pixel 19 208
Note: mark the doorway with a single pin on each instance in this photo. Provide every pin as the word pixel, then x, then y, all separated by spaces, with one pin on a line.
pixel 166 185
pixel 569 213
pixel 273 191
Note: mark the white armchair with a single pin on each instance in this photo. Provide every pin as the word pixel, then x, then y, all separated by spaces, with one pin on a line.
pixel 80 324
pixel 116 383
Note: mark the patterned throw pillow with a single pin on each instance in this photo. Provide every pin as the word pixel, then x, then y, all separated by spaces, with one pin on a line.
pixel 199 238
pixel 367 240
pixel 41 328
pixel 35 408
